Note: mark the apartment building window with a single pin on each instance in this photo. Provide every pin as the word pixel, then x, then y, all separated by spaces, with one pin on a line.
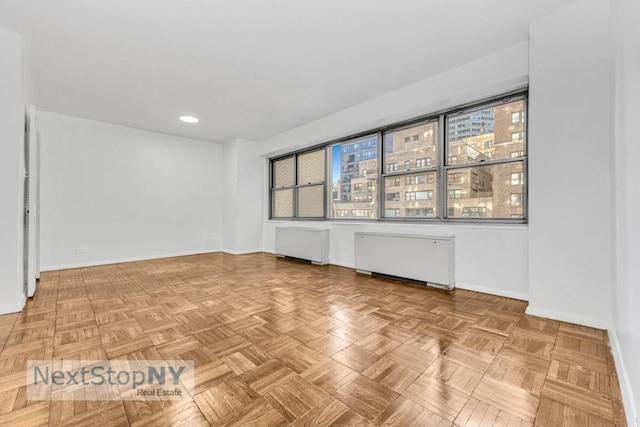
pixel 516 178
pixel 418 179
pixel 483 177
pixel 516 200
pixel 418 195
pixel 423 163
pixel 454 194
pixel 390 213
pixel 359 213
pixel 362 198
pixel 454 177
pixel 419 213
pixel 474 212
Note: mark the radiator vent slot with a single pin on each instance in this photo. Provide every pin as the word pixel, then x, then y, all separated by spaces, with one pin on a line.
pixel 426 259
pixel 311 244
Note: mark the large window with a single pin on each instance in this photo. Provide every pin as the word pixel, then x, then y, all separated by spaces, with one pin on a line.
pixel 469 164
pixel 485 180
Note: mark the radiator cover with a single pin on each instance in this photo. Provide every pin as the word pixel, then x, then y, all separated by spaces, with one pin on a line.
pixel 303 243
pixel 429 259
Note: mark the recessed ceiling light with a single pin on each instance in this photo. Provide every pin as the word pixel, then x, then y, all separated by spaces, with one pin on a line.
pixel 189 119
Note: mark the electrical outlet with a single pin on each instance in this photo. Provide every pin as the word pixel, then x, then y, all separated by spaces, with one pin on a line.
pixel 81 250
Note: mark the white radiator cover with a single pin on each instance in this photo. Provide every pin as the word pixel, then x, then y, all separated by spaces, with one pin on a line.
pixel 429 259
pixel 302 242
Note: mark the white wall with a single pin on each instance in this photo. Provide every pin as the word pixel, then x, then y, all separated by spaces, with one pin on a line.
pixel 11 171
pixel 626 314
pixel 570 271
pixel 243 180
pixel 125 194
pixel 491 259
pixel 488 258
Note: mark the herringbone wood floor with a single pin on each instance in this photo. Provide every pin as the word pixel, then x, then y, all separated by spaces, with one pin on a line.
pixel 278 342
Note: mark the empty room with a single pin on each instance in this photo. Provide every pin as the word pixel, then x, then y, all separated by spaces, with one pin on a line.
pixel 319 213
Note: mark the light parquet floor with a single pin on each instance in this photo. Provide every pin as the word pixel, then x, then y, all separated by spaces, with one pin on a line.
pixel 278 342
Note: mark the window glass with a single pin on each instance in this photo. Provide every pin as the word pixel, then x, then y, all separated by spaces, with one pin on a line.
pixel 485 134
pixel 283 172
pixel 311 167
pixel 485 191
pixel 282 203
pixel 311 201
pixel 414 197
pixel 354 178
pixel 409 146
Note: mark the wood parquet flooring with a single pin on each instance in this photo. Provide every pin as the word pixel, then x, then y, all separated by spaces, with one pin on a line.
pixel 283 343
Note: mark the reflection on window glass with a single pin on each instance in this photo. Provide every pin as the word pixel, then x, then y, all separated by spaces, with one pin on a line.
pixel 354 177
pixel 411 146
pixel 485 134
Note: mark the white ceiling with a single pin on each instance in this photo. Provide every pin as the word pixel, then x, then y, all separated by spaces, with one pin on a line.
pixel 247 68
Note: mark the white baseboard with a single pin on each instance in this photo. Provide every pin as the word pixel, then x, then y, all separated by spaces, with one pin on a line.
pixel 493 291
pixel 630 410
pixel 122 260
pixel 243 252
pixel 567 317
pixel 13 308
pixel 342 264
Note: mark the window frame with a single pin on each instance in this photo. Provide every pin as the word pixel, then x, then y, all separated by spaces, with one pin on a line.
pixel 439 171
pixel 297 185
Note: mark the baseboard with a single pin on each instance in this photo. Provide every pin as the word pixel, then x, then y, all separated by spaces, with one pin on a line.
pixel 342 264
pixel 243 252
pixel 493 291
pixel 567 317
pixel 630 410
pixel 122 260
pixel 13 308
